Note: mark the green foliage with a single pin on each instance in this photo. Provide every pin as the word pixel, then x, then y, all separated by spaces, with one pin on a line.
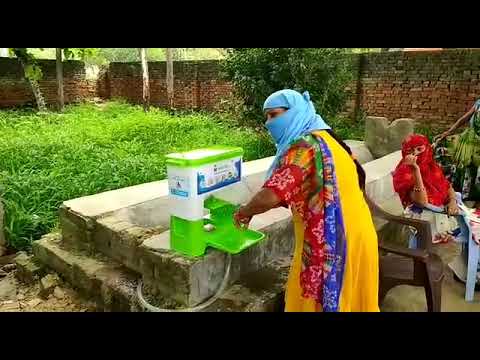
pixel 429 130
pixel 47 159
pixel 347 129
pixel 363 50
pixel 79 53
pixel 257 72
pixel 32 69
pixel 29 57
pixel 106 55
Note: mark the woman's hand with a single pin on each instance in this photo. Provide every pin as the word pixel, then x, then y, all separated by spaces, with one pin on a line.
pixel 452 208
pixel 240 219
pixel 411 160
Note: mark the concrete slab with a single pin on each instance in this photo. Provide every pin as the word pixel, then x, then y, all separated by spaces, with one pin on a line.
pixel 360 150
pixel 98 205
pixel 379 184
pixel 106 202
pixel 102 203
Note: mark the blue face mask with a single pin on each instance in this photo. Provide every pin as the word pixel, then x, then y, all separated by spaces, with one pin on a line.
pixel 300 119
pixel 278 126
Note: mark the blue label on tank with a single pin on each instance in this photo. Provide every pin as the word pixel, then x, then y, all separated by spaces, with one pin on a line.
pixel 179 192
pixel 219 176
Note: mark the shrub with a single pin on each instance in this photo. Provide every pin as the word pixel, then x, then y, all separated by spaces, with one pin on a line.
pixel 258 72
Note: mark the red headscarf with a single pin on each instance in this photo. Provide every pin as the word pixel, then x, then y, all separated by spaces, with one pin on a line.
pixel 436 185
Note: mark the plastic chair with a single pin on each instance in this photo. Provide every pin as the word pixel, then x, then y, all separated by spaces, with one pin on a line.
pixel 404 266
pixel 470 249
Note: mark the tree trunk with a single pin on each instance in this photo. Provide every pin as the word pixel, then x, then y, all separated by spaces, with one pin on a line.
pixel 61 100
pixel 37 93
pixel 170 77
pixel 146 80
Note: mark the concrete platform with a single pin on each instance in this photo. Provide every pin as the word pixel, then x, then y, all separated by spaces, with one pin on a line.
pixel 130 226
pixel 113 287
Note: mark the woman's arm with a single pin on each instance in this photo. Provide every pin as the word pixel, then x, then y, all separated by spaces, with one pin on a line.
pixel 419 194
pixel 263 201
pixel 458 123
pixel 452 206
pixel 279 188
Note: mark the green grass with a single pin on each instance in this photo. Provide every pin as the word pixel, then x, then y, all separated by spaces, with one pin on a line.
pixel 47 159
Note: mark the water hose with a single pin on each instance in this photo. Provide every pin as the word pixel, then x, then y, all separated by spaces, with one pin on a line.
pixel 146 305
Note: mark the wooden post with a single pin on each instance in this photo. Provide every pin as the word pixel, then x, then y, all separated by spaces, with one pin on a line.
pixel 146 80
pixel 61 99
pixel 170 77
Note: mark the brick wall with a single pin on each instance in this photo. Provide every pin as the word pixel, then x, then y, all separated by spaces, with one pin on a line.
pixel 197 84
pixel 431 86
pixel 434 87
pixel 16 91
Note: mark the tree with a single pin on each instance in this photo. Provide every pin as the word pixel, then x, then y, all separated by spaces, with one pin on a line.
pixel 32 73
pixel 60 53
pixel 146 81
pixel 59 66
pixel 169 78
pixel 258 72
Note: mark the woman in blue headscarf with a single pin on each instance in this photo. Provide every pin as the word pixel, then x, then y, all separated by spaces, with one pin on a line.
pixel 335 264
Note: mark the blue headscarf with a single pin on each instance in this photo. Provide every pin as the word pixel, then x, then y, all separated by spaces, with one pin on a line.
pixel 300 119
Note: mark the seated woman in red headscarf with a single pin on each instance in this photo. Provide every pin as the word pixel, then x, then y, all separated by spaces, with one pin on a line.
pixel 421 184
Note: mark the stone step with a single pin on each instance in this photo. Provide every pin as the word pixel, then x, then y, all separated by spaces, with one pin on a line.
pixel 109 284
pixel 113 287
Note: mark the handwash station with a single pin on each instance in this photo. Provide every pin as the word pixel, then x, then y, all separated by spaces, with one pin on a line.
pixel 193 178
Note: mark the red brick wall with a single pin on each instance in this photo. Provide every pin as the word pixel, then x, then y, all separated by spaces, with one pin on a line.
pixel 16 91
pixel 431 86
pixel 197 84
pixel 435 87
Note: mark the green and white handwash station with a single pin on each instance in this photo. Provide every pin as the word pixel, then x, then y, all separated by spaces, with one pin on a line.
pixel 193 177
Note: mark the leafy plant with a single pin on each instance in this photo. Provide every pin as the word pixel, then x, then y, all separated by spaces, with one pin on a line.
pixel 258 72
pixel 31 67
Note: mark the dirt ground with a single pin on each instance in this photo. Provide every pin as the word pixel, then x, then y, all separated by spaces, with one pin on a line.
pixel 16 296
